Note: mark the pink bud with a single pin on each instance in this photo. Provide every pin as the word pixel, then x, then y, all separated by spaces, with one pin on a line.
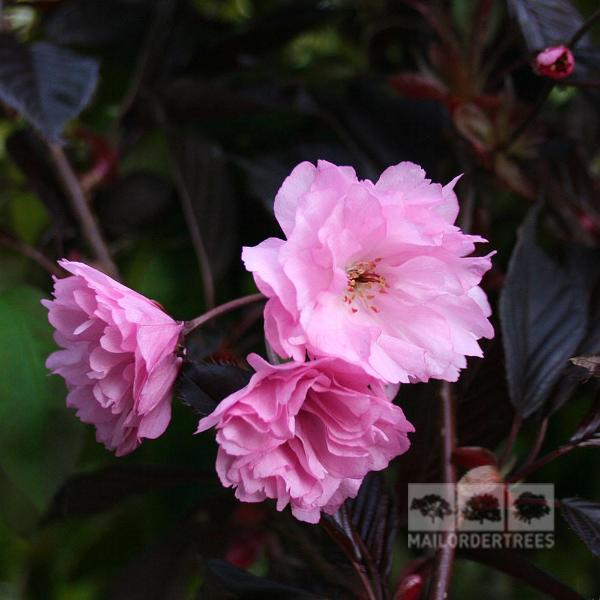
pixel 556 62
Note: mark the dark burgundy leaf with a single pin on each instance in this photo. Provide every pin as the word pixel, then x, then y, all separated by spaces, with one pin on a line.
pixel 374 517
pixel 471 457
pixel 410 587
pixel 543 313
pixel 95 492
pixel 48 85
pixel 583 517
pixel 365 527
pixel 208 182
pixel 510 562
pixel 203 385
pixel 545 22
pixel 246 586
pixel 418 87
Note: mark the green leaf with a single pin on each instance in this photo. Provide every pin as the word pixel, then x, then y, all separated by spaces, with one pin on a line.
pixel 40 438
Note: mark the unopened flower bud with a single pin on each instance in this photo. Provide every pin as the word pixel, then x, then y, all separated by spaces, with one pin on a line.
pixel 556 62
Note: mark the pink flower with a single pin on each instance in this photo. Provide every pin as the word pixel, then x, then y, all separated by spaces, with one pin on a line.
pixel 556 62
pixel 118 356
pixel 373 273
pixel 306 434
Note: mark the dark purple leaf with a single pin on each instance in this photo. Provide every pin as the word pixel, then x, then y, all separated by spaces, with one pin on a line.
pixel 365 527
pixel 583 517
pixel 374 517
pixel 544 315
pixel 545 22
pixel 245 586
pixel 202 386
pixel 48 85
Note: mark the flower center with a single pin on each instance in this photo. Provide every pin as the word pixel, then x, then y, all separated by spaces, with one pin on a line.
pixel 364 283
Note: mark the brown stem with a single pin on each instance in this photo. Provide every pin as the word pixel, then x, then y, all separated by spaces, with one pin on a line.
pixel 583 29
pixel 81 208
pixel 510 441
pixel 28 251
pixel 444 559
pixel 221 310
pixel 540 462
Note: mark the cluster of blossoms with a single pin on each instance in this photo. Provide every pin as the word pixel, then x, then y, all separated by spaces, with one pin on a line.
pixel 372 286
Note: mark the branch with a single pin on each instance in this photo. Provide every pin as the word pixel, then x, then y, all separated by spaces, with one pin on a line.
pixel 583 29
pixel 28 251
pixel 221 310
pixel 81 208
pixel 444 559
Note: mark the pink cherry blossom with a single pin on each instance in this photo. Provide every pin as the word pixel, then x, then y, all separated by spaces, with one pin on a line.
pixel 118 358
pixel 306 434
pixel 556 62
pixel 376 274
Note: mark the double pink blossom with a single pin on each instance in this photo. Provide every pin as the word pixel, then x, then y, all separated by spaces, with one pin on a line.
pixel 118 356
pixel 375 274
pixel 306 433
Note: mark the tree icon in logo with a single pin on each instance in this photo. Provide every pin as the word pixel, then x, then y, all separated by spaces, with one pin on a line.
pixel 432 506
pixel 482 507
pixel 529 507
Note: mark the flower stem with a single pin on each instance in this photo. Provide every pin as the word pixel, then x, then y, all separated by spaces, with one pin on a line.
pixel 444 559
pixel 221 310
